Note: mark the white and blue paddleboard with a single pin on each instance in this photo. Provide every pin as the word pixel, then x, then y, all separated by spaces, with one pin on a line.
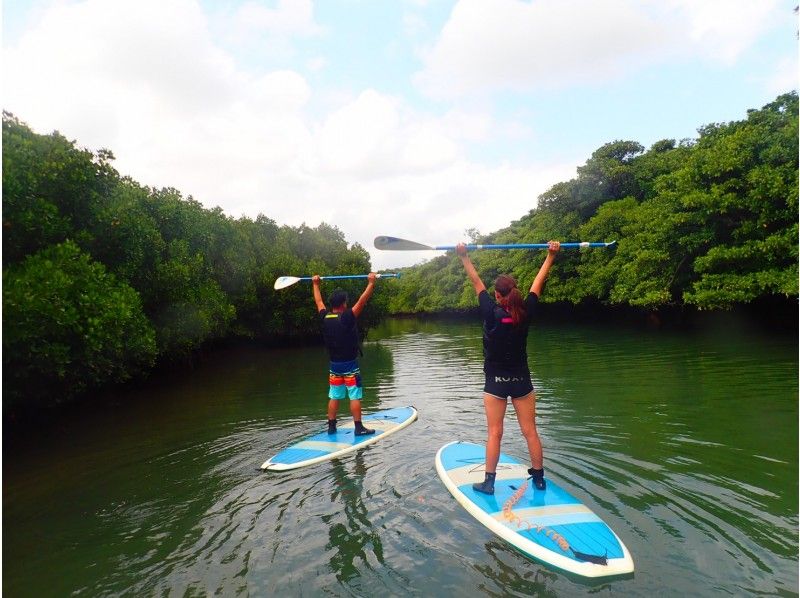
pixel 550 525
pixel 323 446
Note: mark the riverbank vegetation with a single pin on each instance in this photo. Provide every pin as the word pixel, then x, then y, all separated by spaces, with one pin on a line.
pixel 103 278
pixel 710 223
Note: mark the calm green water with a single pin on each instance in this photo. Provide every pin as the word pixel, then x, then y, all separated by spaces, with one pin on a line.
pixel 685 443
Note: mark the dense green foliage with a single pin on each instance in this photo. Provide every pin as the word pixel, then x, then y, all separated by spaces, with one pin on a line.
pixel 102 277
pixel 710 223
pixel 69 324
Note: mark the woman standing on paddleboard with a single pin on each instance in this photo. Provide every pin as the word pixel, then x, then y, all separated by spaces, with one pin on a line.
pixel 505 333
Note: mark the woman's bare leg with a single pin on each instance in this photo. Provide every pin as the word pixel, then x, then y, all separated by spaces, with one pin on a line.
pixel 526 415
pixel 495 412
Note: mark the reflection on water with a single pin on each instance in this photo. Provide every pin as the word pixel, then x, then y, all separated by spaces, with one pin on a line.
pixel 686 444
pixel 355 539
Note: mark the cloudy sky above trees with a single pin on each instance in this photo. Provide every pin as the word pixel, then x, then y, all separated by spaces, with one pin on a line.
pixel 418 118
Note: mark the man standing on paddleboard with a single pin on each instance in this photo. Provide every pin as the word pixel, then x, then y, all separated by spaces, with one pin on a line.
pixel 506 317
pixel 340 331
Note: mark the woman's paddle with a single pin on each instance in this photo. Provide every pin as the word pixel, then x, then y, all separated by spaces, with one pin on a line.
pixel 287 281
pixel 393 243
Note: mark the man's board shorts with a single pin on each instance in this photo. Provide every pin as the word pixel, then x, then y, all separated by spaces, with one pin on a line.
pixel 508 385
pixel 345 380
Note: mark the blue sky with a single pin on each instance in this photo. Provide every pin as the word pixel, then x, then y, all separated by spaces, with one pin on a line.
pixel 416 118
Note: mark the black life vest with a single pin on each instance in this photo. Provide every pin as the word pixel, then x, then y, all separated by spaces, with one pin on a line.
pixel 504 344
pixel 341 334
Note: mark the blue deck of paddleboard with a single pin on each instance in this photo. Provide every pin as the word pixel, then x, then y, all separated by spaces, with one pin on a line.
pixel 585 532
pixel 291 454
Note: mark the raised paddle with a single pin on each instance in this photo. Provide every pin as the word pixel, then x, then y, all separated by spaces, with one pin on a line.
pixel 287 281
pixel 395 244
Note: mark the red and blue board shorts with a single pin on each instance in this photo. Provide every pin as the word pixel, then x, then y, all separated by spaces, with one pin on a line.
pixel 344 378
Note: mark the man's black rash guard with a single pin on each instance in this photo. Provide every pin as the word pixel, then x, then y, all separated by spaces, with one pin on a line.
pixel 340 333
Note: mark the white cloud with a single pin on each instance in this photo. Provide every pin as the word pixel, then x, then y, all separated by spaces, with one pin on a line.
pixel 436 208
pixel 547 44
pixel 519 45
pixel 377 135
pixel 130 64
pixel 722 29
pixel 279 91
pixel 265 36
pixel 289 17
pixel 145 79
pixel 470 125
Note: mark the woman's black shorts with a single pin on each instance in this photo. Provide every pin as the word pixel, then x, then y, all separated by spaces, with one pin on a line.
pixel 508 385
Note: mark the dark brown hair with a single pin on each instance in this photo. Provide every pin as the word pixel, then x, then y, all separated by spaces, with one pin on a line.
pixel 510 298
pixel 337 298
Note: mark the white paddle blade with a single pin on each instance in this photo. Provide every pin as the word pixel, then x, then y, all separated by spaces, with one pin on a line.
pixel 393 243
pixel 285 281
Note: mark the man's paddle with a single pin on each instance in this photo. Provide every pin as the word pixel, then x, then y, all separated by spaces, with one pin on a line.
pixel 287 281
pixel 394 244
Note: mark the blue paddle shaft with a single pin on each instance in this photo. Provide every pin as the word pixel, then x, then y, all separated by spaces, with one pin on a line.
pixel 524 246
pixel 341 276
pixel 397 244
